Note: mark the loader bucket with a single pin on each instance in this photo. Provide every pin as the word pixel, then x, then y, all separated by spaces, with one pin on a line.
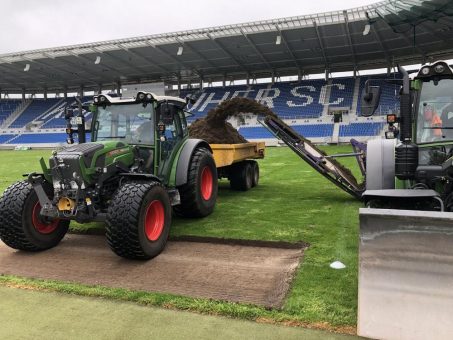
pixel 405 274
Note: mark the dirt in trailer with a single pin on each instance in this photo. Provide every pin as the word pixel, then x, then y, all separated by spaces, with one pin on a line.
pixel 216 130
pixel 256 274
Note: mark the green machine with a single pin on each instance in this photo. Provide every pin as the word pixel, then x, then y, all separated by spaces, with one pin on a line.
pixel 139 167
pixel 418 150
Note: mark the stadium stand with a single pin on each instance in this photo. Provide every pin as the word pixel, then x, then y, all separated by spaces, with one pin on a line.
pixel 5 138
pixel 341 92
pixel 309 131
pixel 304 104
pixel 389 94
pixel 36 108
pixel 7 107
pixel 33 138
pixel 361 129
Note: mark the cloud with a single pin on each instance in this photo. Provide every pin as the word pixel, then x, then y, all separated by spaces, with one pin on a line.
pixel 31 24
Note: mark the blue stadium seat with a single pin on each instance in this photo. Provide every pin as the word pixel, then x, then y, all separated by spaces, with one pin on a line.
pixel 361 129
pixel 7 107
pixel 5 138
pixel 309 131
pixel 33 111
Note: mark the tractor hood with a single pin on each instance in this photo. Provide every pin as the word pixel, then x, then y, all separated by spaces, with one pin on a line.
pixel 88 159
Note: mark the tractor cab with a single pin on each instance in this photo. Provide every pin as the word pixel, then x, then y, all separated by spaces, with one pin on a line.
pixel 432 90
pixel 153 126
pixel 422 157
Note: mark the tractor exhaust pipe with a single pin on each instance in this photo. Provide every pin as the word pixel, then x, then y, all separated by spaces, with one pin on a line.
pixel 406 153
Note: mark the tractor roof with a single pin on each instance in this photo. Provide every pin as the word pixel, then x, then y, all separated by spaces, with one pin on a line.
pixel 149 96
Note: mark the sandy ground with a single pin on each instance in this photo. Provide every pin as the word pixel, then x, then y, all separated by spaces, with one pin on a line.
pixel 238 273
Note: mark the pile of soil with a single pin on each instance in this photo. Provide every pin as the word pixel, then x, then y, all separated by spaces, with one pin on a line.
pixel 216 130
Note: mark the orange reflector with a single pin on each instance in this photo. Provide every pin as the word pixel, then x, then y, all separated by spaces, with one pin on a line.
pixel 391 118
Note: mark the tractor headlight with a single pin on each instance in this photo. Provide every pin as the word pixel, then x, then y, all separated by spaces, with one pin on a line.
pixel 96 99
pixel 141 96
pixel 439 68
pixel 149 96
pixel 425 71
pixel 102 99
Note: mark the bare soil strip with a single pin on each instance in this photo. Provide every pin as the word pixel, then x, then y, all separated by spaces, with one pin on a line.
pixel 246 274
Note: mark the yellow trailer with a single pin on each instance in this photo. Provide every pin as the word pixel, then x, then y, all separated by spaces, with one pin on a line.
pixel 237 163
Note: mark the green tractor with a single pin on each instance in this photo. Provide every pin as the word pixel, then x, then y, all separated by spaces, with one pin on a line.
pixel 139 167
pixel 418 150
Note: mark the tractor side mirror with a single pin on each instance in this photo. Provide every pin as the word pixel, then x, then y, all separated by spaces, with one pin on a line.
pixel 370 100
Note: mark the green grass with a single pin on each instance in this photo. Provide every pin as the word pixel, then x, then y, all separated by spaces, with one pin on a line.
pixel 292 203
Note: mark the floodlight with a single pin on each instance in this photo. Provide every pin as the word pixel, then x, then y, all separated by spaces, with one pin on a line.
pixel 98 60
pixel 27 68
pixel 180 50
pixel 278 41
pixel 367 29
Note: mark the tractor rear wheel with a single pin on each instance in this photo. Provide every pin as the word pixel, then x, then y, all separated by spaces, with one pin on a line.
pixel 199 194
pixel 139 220
pixel 21 224
pixel 241 176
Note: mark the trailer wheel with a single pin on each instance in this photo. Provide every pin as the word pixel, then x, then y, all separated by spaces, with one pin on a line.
pixel 199 194
pixel 241 176
pixel 255 173
pixel 21 224
pixel 139 220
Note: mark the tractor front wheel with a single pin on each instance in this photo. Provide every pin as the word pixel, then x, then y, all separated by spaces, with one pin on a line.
pixel 199 194
pixel 139 220
pixel 21 224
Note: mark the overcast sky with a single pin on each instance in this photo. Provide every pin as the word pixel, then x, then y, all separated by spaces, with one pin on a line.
pixel 33 24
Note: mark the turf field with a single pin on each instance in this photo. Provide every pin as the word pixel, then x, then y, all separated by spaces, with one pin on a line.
pixel 292 203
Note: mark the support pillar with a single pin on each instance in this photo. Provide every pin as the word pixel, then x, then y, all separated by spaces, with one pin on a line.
pixel 23 94
pixel 118 88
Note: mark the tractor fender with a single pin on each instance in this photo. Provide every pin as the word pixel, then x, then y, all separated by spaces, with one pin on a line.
pixel 182 167
pixel 380 164
pixel 140 176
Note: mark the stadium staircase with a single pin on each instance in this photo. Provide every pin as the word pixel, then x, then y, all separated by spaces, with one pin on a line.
pixel 356 96
pixel 336 133
pixel 47 117
pixel 19 110
pixel 325 110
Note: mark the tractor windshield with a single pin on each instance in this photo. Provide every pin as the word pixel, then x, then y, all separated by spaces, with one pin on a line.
pixel 131 123
pixel 435 112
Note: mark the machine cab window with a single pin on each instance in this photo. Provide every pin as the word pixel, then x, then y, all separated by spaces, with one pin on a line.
pixel 133 124
pixel 435 113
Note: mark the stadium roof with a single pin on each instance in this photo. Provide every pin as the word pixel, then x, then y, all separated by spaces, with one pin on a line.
pixel 333 41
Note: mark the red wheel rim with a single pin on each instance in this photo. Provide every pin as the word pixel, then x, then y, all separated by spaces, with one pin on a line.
pixel 42 225
pixel 154 220
pixel 206 183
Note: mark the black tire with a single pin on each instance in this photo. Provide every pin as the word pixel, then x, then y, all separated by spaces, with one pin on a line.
pixel 241 176
pixel 255 173
pixel 21 225
pixel 199 194
pixel 129 232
